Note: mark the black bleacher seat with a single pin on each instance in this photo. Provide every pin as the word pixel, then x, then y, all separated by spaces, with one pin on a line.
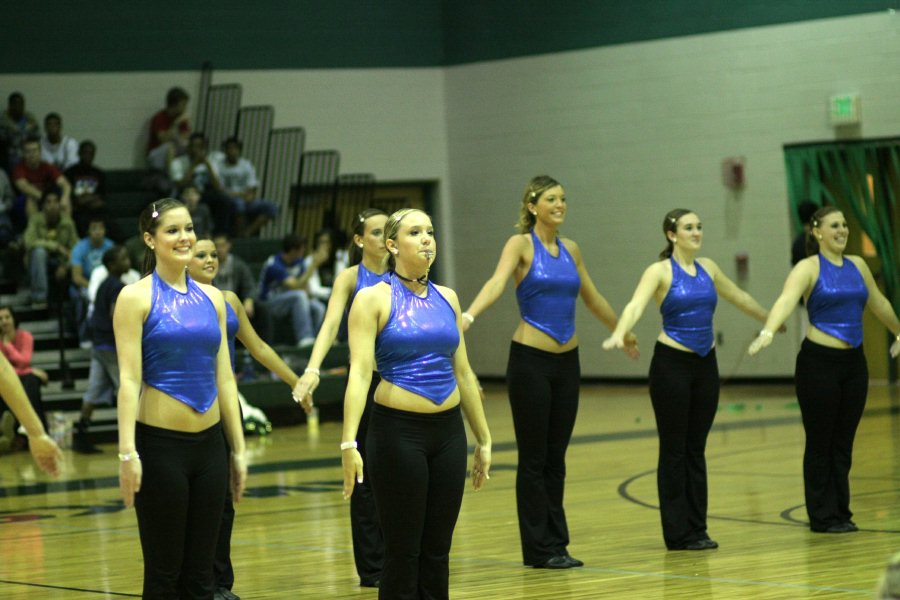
pixel 125 180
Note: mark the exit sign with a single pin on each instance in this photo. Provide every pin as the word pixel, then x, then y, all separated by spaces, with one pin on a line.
pixel 843 109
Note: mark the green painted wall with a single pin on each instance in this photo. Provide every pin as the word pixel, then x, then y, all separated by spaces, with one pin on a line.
pixel 495 29
pixel 167 35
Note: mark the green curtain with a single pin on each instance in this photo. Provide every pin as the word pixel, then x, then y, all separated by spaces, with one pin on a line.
pixel 837 173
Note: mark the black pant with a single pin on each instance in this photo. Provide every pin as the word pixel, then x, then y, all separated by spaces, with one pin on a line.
pixel 179 508
pixel 417 463
pixel 831 388
pixel 684 390
pixel 223 570
pixel 368 543
pixel 543 394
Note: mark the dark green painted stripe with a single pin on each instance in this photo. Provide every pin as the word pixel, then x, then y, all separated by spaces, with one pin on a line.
pixel 478 31
pixel 170 35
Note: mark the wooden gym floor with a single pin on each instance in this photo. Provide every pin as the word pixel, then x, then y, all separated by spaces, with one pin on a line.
pixel 71 539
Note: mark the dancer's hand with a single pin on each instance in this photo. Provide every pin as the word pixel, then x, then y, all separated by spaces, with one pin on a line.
pixel 304 389
pixel 481 466
pixel 130 474
pixel 46 454
pixel 352 462
pixel 762 340
pixel 238 475
pixel 614 341
pixel 631 346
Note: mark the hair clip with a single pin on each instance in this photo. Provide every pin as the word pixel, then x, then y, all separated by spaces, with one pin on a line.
pixel 361 218
pixel 155 212
pixel 533 195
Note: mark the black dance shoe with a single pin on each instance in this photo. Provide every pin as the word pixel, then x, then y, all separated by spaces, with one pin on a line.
pixel 704 544
pixel 556 562
pixel 573 562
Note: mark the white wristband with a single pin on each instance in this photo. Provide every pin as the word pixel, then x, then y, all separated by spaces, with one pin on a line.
pixel 349 445
pixel 468 317
pixel 311 370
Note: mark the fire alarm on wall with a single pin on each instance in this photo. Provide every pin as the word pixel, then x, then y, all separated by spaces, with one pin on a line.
pixel 733 172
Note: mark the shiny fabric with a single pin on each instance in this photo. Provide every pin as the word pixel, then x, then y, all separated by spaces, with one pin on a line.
pixel 688 308
pixel 231 327
pixel 364 279
pixel 180 342
pixel 837 301
pixel 415 349
pixel 547 294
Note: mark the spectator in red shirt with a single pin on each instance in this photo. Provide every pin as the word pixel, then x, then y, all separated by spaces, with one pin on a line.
pixel 32 176
pixel 17 345
pixel 169 130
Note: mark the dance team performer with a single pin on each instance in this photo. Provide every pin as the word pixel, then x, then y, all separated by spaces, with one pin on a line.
pixel 831 375
pixel 367 268
pixel 416 443
pixel 684 374
pixel 176 395
pixel 544 373
pixel 203 269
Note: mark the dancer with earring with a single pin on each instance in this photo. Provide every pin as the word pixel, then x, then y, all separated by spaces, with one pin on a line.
pixel 367 268
pixel 203 268
pixel 176 395
pixel 684 374
pixel 831 376
pixel 543 375
pixel 416 443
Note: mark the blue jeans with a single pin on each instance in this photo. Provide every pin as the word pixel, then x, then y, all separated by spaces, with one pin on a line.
pixel 40 263
pixel 103 377
pixel 306 315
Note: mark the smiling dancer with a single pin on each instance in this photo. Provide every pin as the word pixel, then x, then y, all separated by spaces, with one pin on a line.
pixel 544 373
pixel 831 377
pixel 684 374
pixel 203 269
pixel 176 394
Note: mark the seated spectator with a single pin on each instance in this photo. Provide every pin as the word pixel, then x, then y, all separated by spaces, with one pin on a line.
pixel 86 256
pixel 103 377
pixel 234 275
pixel 56 148
pixel 6 205
pixel 197 170
pixel 239 179
pixel 282 286
pixel 49 240
pixel 200 215
pixel 16 126
pixel 332 260
pixel 88 186
pixel 32 176
pixel 17 345
pixel 169 130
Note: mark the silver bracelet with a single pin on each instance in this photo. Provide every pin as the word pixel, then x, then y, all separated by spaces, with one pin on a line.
pixel 766 333
pixel 468 317
pixel 349 445
pixel 129 456
pixel 312 370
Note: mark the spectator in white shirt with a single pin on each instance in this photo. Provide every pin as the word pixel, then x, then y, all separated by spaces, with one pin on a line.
pixel 56 148
pixel 238 176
